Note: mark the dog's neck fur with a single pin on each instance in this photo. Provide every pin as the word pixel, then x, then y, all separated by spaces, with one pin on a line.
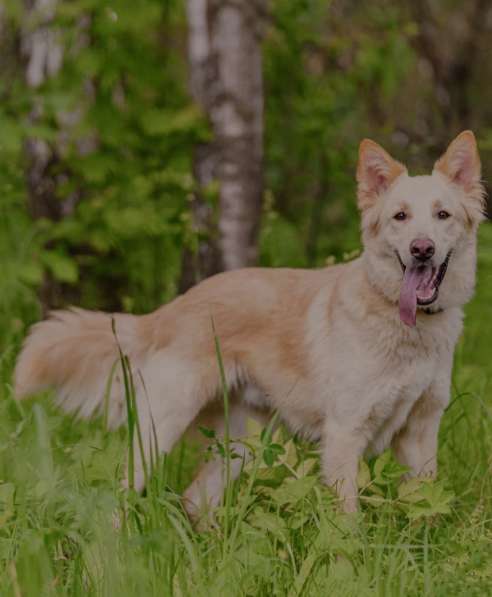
pixel 431 311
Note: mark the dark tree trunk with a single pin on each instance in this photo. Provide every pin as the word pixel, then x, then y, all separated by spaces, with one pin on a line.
pixel 452 69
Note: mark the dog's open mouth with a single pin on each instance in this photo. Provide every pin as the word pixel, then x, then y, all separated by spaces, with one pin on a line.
pixel 420 286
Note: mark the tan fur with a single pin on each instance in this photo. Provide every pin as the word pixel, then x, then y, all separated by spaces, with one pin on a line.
pixel 376 171
pixel 325 347
pixel 449 166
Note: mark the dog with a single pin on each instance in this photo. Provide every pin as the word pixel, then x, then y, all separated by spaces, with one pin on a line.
pixel 356 355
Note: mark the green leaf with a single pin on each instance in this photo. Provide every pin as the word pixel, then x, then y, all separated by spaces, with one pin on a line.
pixel 62 267
pixel 272 476
pixel 424 498
pixel 163 122
pixel 31 273
pixel 386 469
pixel 293 490
pixel 271 453
pixel 269 522
pixel 210 433
pixel 409 491
pixel 12 135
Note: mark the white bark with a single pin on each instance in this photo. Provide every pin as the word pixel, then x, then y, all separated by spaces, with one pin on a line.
pixel 43 52
pixel 238 122
pixel 40 43
pixel 198 47
pixel 224 50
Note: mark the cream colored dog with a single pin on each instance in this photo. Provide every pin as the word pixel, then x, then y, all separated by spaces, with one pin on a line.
pixel 358 355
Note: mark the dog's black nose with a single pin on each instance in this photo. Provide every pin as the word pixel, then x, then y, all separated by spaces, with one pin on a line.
pixel 422 248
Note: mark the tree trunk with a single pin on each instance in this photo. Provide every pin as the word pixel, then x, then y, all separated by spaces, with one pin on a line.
pixel 452 69
pixel 224 48
pixel 43 55
pixel 42 51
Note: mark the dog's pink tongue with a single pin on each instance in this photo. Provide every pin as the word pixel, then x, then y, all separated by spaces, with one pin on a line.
pixel 408 294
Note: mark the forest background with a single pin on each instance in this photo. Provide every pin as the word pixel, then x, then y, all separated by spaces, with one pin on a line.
pixel 146 144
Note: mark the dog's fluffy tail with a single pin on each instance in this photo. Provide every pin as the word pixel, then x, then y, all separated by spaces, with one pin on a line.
pixel 76 353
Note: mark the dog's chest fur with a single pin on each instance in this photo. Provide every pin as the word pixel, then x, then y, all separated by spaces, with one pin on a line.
pixel 368 372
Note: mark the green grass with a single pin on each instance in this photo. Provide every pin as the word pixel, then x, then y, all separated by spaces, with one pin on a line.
pixel 66 526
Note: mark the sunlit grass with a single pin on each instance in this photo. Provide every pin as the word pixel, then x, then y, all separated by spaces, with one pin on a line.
pixel 67 527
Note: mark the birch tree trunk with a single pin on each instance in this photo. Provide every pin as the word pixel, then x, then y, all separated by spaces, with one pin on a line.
pixel 43 56
pixel 224 48
pixel 42 52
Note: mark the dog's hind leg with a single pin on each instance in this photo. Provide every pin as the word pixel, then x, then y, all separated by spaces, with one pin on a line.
pixel 206 491
pixel 158 435
pixel 170 394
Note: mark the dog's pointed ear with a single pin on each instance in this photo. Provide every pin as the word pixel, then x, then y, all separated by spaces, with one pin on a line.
pixel 461 162
pixel 376 171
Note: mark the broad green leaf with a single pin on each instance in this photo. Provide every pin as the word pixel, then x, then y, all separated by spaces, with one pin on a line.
pixel 410 491
pixel 271 453
pixel 31 272
pixel 423 498
pixel 209 433
pixel 63 267
pixel 272 476
pixel 270 522
pixel 293 490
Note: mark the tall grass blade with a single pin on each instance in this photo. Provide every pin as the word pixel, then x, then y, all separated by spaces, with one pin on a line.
pixel 227 460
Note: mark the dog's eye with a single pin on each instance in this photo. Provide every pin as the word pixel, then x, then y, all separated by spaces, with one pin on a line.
pixel 400 216
pixel 443 215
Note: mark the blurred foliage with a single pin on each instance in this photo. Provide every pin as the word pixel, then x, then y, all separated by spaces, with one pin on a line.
pixel 121 122
pixel 320 81
pixel 123 93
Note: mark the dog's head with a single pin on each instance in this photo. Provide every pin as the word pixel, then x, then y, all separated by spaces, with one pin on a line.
pixel 419 232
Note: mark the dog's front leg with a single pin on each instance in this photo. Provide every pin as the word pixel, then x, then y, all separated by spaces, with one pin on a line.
pixel 342 448
pixel 415 445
